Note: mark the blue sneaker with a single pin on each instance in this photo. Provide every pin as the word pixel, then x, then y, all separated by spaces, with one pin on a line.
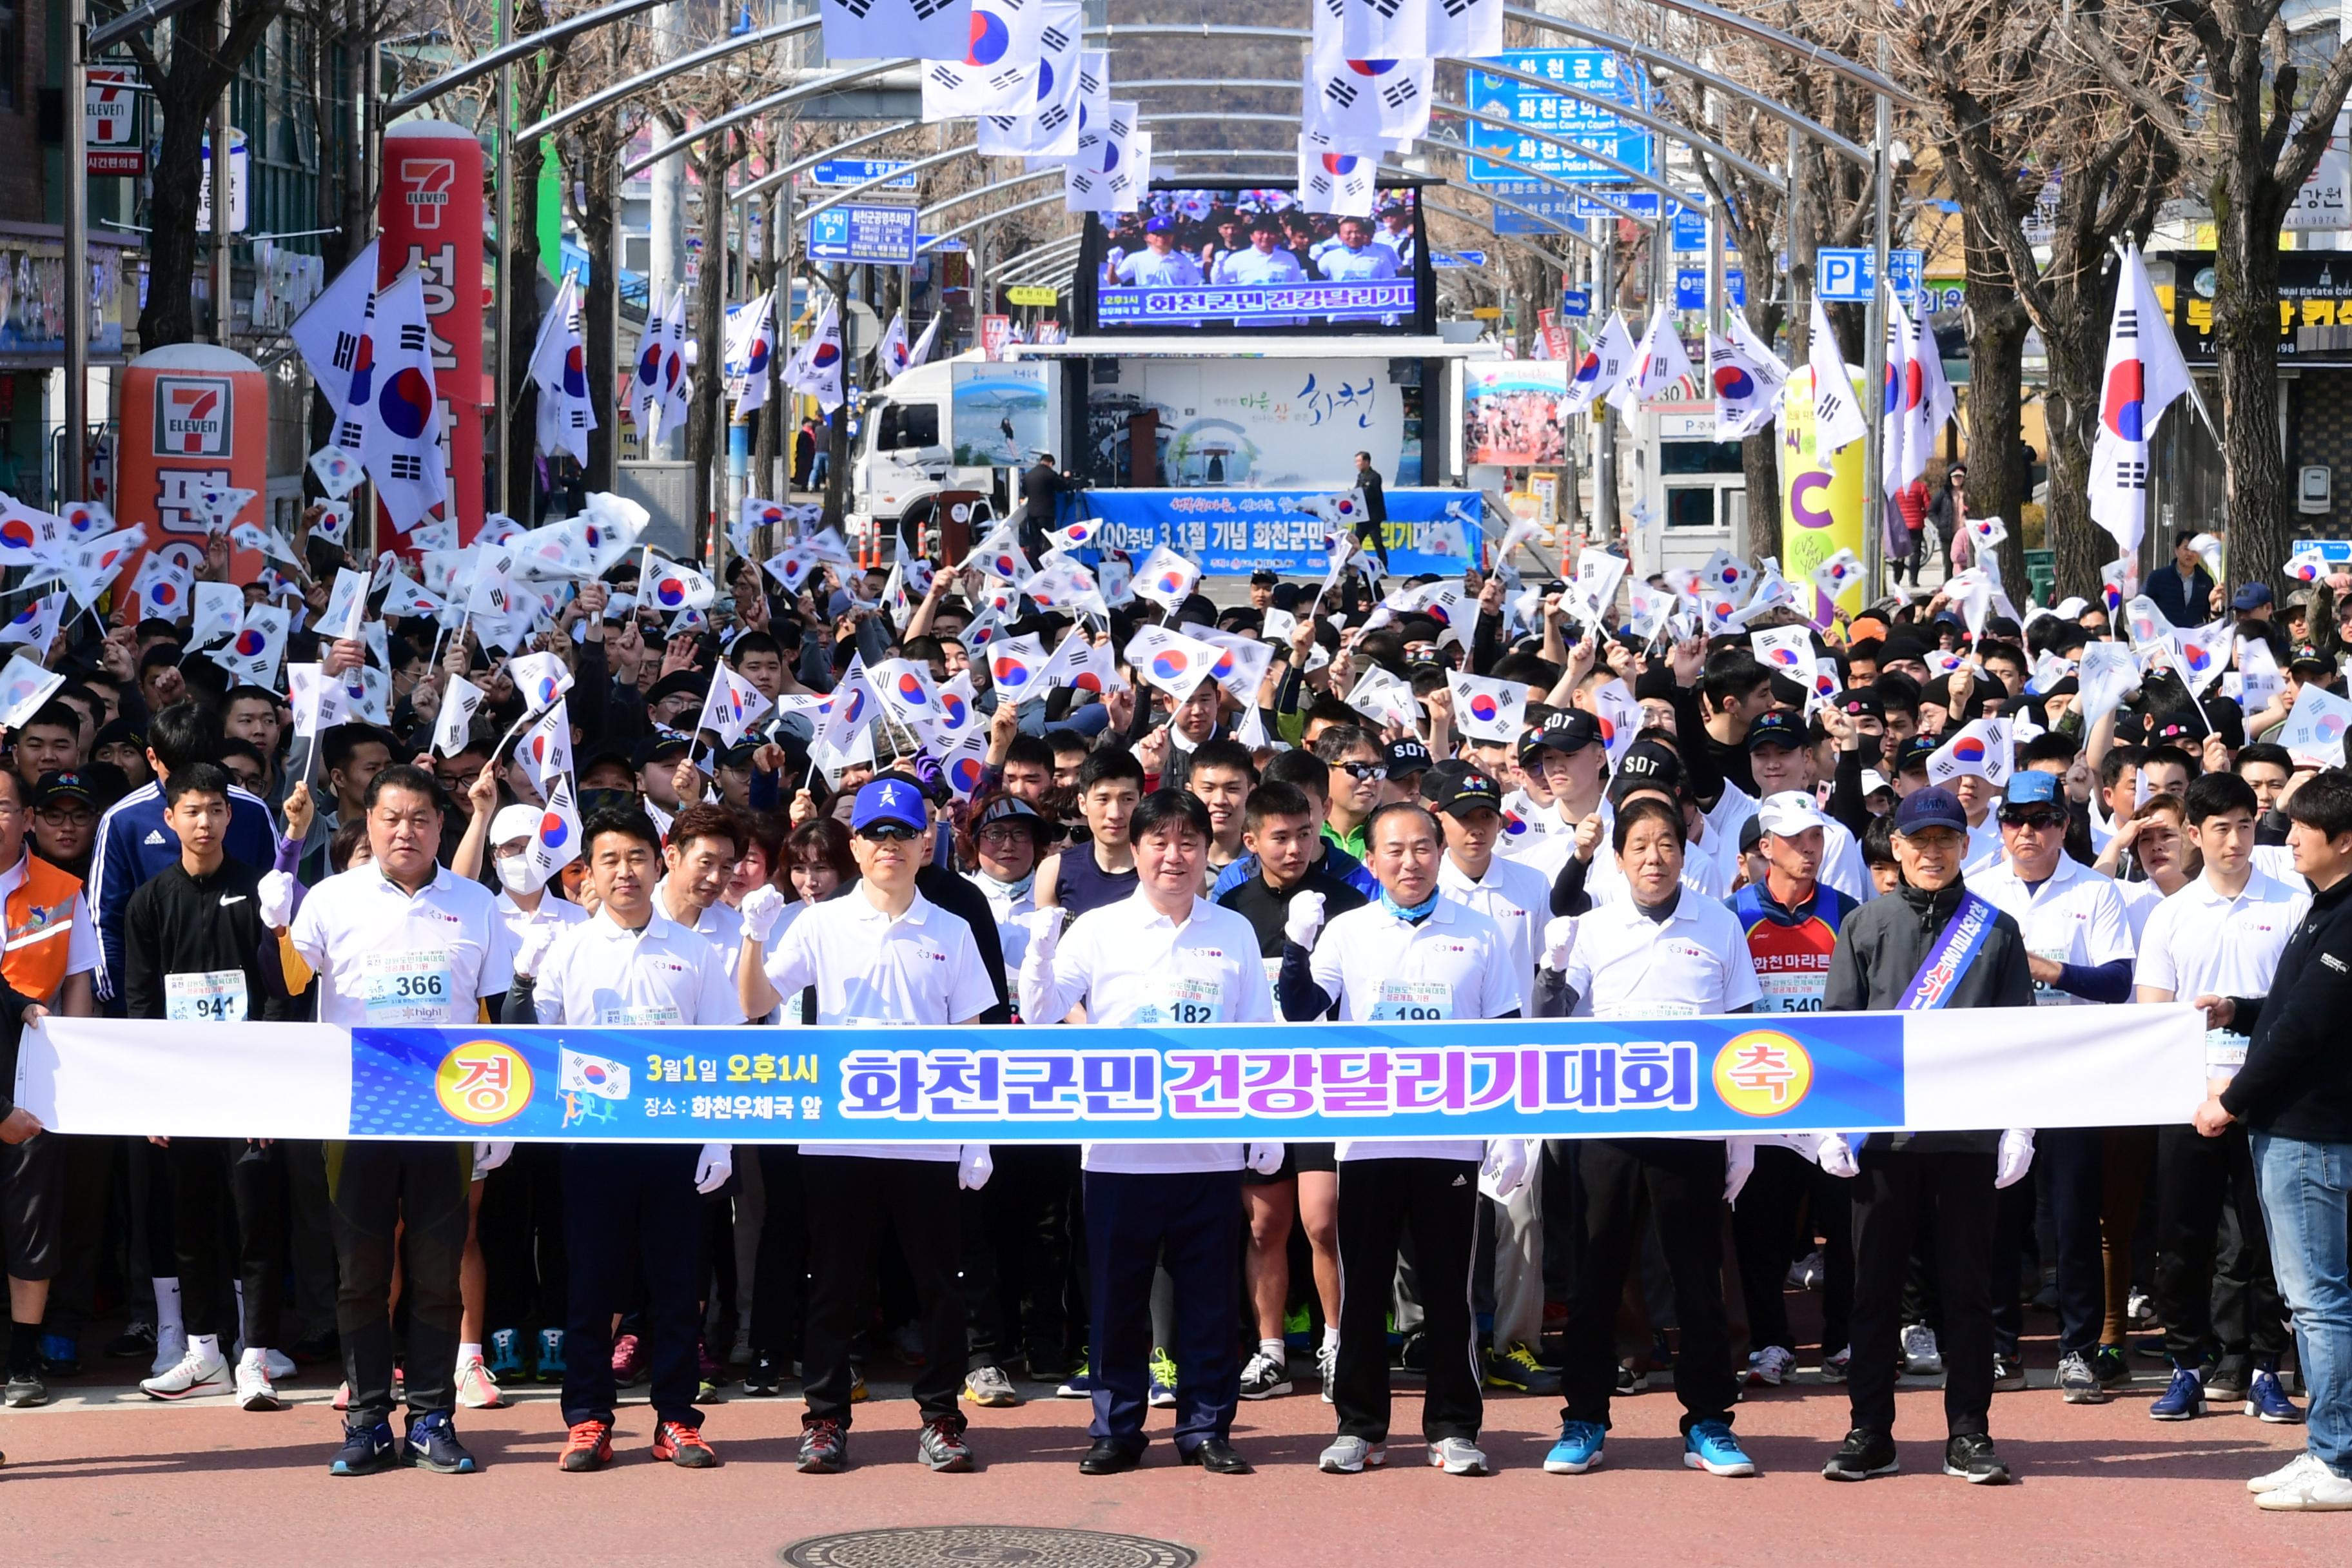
pixel 1709 1445
pixel 506 1355
pixel 366 1450
pixel 60 1355
pixel 1578 1450
pixel 551 1356
pixel 432 1445
pixel 2183 1399
pixel 2267 1399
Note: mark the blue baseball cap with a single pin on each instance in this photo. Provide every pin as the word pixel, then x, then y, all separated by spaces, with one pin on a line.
pixel 889 800
pixel 2032 787
pixel 1933 806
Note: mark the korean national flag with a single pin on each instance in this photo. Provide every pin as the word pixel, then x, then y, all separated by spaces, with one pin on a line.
pixel 585 1074
pixel 996 73
pixel 1363 102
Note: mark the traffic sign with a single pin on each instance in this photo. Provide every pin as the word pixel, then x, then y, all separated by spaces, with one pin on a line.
pixel 1598 73
pixel 1690 225
pixel 839 172
pixel 881 236
pixel 1690 288
pixel 1457 258
pixel 1575 302
pixel 1851 276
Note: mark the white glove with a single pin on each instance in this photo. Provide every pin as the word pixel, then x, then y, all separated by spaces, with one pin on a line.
pixel 1265 1158
pixel 2016 1157
pixel 277 898
pixel 531 951
pixel 974 1168
pixel 711 1171
pixel 1559 941
pixel 488 1157
pixel 1835 1155
pixel 1304 919
pixel 1044 929
pixel 1738 1165
pixel 763 908
pixel 1504 1169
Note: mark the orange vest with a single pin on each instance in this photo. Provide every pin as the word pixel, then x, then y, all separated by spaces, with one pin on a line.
pixel 40 915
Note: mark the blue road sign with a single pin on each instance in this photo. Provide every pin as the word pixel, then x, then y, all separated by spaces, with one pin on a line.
pixel 1690 287
pixel 1576 303
pixel 882 236
pixel 841 172
pixel 1595 72
pixel 1851 276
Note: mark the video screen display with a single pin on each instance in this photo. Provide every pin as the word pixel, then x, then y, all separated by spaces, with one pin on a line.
pixel 1252 258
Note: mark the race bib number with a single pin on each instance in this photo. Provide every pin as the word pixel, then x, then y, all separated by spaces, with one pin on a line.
pixel 1798 992
pixel 1412 1002
pixel 1182 999
pixel 2225 1053
pixel 2050 995
pixel 649 1017
pixel 216 998
pixel 409 988
pixel 1642 1008
pixel 1273 975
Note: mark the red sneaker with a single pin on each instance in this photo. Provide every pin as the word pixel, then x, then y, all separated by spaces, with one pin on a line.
pixel 681 1445
pixel 589 1447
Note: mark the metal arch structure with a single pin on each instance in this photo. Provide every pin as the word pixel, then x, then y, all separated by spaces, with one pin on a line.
pixel 752 111
pixel 711 53
pixel 516 50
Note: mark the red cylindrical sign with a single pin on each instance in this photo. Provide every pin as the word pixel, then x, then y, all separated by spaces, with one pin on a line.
pixel 194 416
pixel 431 216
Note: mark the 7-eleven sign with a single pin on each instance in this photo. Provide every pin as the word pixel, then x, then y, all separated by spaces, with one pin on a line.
pixel 110 123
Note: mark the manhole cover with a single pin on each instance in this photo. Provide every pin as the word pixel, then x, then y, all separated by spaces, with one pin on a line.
pixel 976 1545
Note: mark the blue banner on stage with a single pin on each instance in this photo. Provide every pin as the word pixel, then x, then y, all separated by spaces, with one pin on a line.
pixel 1549 1077
pixel 1231 533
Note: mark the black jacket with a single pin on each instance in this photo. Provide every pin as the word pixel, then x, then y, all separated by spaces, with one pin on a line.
pixel 2184 605
pixel 179 924
pixel 1881 946
pixel 1376 505
pixel 1265 909
pixel 1041 486
pixel 2297 1080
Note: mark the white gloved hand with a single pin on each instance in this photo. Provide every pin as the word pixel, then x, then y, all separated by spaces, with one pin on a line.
pixel 712 1168
pixel 974 1167
pixel 1304 920
pixel 2016 1157
pixel 1835 1155
pixel 1504 1169
pixel 763 906
pixel 1265 1158
pixel 1044 929
pixel 531 951
pixel 488 1157
pixel 277 898
pixel 1559 941
pixel 1738 1165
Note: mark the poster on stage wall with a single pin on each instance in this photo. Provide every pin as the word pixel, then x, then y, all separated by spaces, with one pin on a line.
pixel 1511 413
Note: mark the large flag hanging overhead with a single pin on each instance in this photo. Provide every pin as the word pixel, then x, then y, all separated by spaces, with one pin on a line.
pixel 1837 413
pixel 328 333
pixel 1048 124
pixel 653 350
pixel 1370 103
pixel 1602 367
pixel 996 72
pixel 1334 181
pixel 393 397
pixel 1747 377
pixel 1895 463
pixel 559 367
pixel 1412 29
pixel 2144 374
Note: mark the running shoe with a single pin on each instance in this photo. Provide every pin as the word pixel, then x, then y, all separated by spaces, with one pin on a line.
pixel 1864 1454
pixel 136 1342
pixel 200 1371
pixel 628 1361
pixel 763 1378
pixel 2008 1373
pixel 477 1389
pixel 2111 1367
pixel 1163 1379
pixel 1709 1445
pixel 1298 1328
pixel 433 1445
pixel 588 1446
pixel 1352 1456
pixel 366 1450
pixel 1327 1368
pixel 254 1391
pixel 2183 1398
pixel 1834 1367
pixel 1080 1383
pixel 675 1443
pixel 988 1386
pixel 171 1346
pixel 506 1355
pixel 1971 1457
pixel 27 1389
pixel 1920 1357
pixel 2266 1398
pixel 1457 1457
pixel 547 1367
pixel 2077 1384
pixel 1518 1369
pixel 942 1446
pixel 1770 1366
pixel 825 1448
pixel 2287 1475
pixel 1579 1449
pixel 1263 1376
pixel 60 1355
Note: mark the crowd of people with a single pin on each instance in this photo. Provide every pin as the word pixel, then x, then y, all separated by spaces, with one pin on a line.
pixel 1146 849
pixel 1180 239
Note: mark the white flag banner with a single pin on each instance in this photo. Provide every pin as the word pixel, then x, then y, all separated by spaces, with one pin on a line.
pixel 546 746
pixel 2313 732
pixel 1333 182
pixel 1603 366
pixel 1659 365
pixel 667 586
pixel 162 587
pixel 752 354
pixel 1487 710
pixel 1369 102
pixel 90 567
pixel 36 624
pixel 555 843
pixel 398 405
pixel 896 29
pixel 2144 374
pixel 1171 660
pixel 1786 650
pixel 455 722
pixel 1837 414
pixel 559 368
pixel 24 685
pixel 2108 672
pixel 1047 125
pixel 1385 698
pixel 1897 463
pixel 733 706
pixel 251 657
pixel 328 333
pixel 1242 662
pixel 1981 746
pixel 1748 378
pixel 816 370
pixel 2203 652
pixel 996 72
pixel 1839 572
pixel 644 399
pixel 1166 578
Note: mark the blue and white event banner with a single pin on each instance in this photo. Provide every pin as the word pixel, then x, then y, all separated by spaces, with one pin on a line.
pixel 1581 1078
pixel 1232 533
pixel 1387 301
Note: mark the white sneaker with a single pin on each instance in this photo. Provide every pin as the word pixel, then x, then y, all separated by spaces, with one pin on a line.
pixel 1771 1366
pixel 200 1369
pixel 1920 1357
pixel 2317 1491
pixel 171 1349
pixel 282 1365
pixel 255 1390
pixel 1457 1457
pixel 2285 1475
pixel 1327 1364
pixel 477 1389
pixel 1834 1367
pixel 1352 1456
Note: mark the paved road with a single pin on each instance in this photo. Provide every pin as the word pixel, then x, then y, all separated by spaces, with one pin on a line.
pixel 119 1480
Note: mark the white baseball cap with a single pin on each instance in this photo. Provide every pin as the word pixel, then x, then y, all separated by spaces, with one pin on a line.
pixel 1788 812
pixel 513 822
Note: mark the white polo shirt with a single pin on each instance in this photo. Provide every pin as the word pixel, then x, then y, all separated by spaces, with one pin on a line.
pixel 870 969
pixel 1131 966
pixel 2076 917
pixel 2276 861
pixel 390 958
pixel 553 911
pixel 1515 896
pixel 1984 848
pixel 1710 869
pixel 1695 962
pixel 2140 900
pixel 2199 942
pixel 601 973
pixel 718 925
pixel 1457 963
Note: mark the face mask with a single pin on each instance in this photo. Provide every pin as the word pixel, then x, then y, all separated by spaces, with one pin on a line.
pixel 517 874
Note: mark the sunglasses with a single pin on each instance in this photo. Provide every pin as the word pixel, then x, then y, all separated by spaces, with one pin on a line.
pixel 2042 821
pixel 887 833
pixel 1366 771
